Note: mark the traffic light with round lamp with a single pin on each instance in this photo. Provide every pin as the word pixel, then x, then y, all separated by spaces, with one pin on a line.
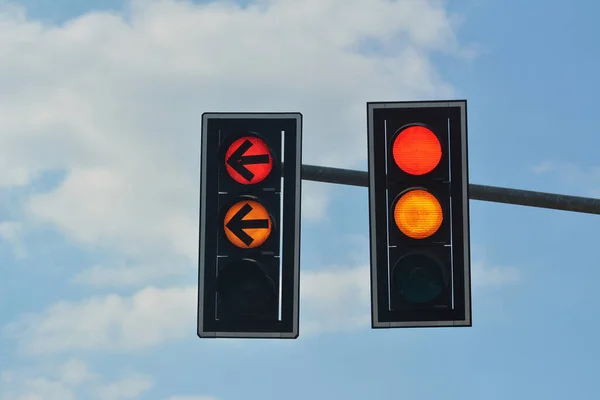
pixel 419 214
pixel 249 259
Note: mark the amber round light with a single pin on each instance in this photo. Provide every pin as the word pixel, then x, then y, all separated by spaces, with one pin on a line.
pixel 418 214
pixel 417 150
pixel 246 234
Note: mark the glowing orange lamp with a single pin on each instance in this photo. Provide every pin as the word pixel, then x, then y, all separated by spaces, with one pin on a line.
pixel 418 214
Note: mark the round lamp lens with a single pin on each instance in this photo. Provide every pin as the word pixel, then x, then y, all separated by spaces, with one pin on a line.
pixel 244 288
pixel 418 278
pixel 417 150
pixel 418 214
pixel 248 160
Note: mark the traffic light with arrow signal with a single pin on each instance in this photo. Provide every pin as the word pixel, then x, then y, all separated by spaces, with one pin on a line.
pixel 419 214
pixel 249 258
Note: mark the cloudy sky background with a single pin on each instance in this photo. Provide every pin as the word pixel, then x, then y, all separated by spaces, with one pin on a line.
pixel 100 105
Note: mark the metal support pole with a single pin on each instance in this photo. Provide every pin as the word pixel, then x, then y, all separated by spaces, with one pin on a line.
pixel 476 192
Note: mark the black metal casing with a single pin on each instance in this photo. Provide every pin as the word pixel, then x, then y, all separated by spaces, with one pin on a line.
pixel 279 256
pixel 448 182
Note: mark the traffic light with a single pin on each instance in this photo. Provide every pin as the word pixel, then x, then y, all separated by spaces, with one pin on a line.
pixel 249 256
pixel 419 214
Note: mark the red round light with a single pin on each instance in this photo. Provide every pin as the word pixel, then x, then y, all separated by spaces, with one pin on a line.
pixel 417 150
pixel 248 160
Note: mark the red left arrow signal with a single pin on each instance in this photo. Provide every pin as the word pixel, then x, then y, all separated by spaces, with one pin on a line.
pixel 248 160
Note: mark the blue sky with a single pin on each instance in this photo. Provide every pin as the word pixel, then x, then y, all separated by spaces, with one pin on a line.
pixel 98 195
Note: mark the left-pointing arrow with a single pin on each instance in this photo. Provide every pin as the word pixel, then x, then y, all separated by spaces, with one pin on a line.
pixel 237 224
pixel 238 160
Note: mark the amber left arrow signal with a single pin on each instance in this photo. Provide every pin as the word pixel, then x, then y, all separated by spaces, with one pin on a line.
pixel 250 232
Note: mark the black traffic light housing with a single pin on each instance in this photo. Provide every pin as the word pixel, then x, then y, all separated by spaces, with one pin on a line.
pixel 249 250
pixel 419 214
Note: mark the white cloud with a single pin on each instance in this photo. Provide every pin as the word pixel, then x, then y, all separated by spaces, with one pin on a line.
pixel 147 318
pixel 115 101
pixel 75 372
pixel 543 167
pixel 124 275
pixel 314 200
pixel 192 398
pixel 334 299
pixel 40 389
pixel 70 380
pixel 483 275
pixel 10 230
pixel 11 233
pixel 129 388
pixel 580 180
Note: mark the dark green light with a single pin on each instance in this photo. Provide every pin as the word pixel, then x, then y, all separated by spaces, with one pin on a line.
pixel 418 278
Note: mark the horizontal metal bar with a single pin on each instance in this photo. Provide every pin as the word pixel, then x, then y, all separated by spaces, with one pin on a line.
pixel 476 192
pixel 335 175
